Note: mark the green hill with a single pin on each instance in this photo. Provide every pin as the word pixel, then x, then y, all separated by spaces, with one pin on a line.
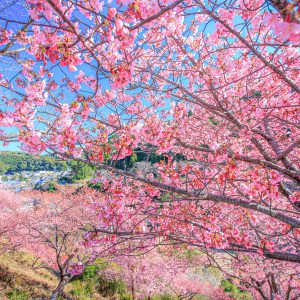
pixel 18 161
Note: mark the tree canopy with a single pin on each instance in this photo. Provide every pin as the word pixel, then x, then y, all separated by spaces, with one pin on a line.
pixel 211 87
pixel 20 161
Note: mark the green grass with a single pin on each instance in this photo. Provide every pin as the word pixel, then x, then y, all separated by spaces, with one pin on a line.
pixel 234 291
pixel 17 295
pixel 20 281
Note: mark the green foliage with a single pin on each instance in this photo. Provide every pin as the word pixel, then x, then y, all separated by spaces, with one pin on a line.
pixel 81 170
pixel 133 158
pixel 91 281
pixel 125 296
pixel 65 180
pixel 82 289
pixel 19 177
pixel 17 295
pixel 137 156
pixel 3 167
pixel 201 297
pixel 235 292
pixel 229 287
pixel 97 186
pixel 19 161
pixel 51 187
pixel 83 286
pixel 165 196
pixel 48 186
pixel 91 273
pixel 213 121
pixel 205 146
pixel 111 287
pixel 4 178
pixel 257 94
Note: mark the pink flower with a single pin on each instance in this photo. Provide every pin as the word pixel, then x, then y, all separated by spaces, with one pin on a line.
pixel 285 30
pixel 119 26
pixel 123 76
pixel 4 36
pixel 112 12
pixel 76 269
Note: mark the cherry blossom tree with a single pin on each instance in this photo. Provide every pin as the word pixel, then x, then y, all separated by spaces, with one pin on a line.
pixel 213 82
pixel 8 206
pixel 267 279
pixel 54 228
pixel 157 273
pixel 262 277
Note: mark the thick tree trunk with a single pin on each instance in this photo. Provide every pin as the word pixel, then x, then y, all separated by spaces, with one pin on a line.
pixel 59 289
pixel 132 290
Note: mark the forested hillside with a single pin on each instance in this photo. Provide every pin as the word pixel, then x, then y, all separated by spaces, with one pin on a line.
pixel 19 161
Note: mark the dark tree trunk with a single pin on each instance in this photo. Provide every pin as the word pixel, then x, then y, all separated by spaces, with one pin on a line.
pixel 132 289
pixel 59 289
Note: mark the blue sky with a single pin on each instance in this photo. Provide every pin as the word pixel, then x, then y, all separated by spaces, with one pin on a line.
pixel 18 12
